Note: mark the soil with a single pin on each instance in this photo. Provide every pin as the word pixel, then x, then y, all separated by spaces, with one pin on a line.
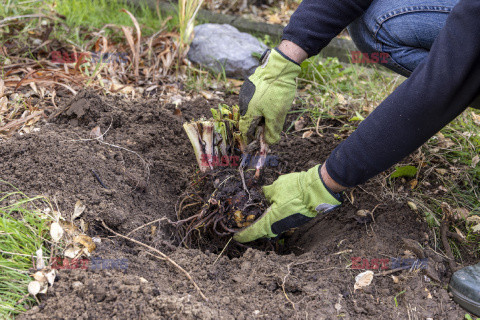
pixel 313 281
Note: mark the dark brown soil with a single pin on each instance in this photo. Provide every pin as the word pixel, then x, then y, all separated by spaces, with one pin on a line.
pixel 314 282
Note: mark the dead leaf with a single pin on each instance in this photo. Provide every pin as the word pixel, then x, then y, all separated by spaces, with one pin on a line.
pixel 72 252
pixel 461 213
pixel 412 205
pixel 135 48
pixel 307 134
pixel 363 280
pixel 442 188
pixel 96 133
pixel 447 211
pixel 56 232
pixel 235 82
pixel 86 242
pixel 207 95
pixel 2 89
pixel 476 118
pixel 20 121
pixel 79 209
pixel 51 276
pixel 83 225
pixel 34 288
pixel 3 105
pixel 274 19
pixel 475 161
pixel 69 228
pixel 473 219
pixel 40 261
pixel 429 295
pixel 441 171
pixel 413 184
pixel 300 124
pixel 341 99
pixel 363 213
pixel 459 233
pixel 39 276
pixel 395 279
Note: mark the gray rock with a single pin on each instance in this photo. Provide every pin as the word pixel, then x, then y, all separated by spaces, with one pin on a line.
pixel 221 46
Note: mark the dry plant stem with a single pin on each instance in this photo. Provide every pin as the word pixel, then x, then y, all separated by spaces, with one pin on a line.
pixel 289 266
pixel 386 273
pixel 163 255
pixel 317 127
pixel 146 224
pixel 135 48
pixel 223 250
pixel 283 288
pixel 448 251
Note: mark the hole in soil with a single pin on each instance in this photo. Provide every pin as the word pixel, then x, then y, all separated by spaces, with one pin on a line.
pixel 217 204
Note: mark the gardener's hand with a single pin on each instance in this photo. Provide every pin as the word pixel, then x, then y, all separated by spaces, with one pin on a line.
pixel 295 198
pixel 268 94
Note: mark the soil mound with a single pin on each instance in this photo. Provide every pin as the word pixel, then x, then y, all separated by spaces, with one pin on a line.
pixel 145 162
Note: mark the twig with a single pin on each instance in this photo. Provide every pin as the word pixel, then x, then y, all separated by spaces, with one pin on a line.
pixel 386 273
pixel 222 251
pixel 147 224
pixel 448 251
pixel 158 257
pixel 18 122
pixel 163 255
pixel 24 17
pixel 285 279
pixel 316 127
pixel 283 287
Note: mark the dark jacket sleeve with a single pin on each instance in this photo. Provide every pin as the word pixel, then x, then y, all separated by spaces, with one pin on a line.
pixel 440 88
pixel 316 22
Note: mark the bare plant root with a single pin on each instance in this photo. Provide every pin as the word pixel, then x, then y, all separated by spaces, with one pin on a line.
pixel 217 204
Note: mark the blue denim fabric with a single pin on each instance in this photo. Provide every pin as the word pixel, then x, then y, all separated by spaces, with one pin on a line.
pixel 404 29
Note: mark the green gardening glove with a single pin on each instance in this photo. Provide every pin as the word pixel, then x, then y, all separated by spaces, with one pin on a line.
pixel 268 94
pixel 295 198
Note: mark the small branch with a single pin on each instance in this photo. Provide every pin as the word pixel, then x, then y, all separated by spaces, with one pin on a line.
pixel 283 287
pixel 386 273
pixel 289 266
pixel 222 251
pixel 163 255
pixel 147 224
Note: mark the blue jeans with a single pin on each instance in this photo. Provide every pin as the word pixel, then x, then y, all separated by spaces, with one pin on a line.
pixel 404 29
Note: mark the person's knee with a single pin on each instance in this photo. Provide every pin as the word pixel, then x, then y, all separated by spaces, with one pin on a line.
pixel 370 49
pixel 403 30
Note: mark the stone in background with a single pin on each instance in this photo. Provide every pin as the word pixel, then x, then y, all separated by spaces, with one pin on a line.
pixel 221 45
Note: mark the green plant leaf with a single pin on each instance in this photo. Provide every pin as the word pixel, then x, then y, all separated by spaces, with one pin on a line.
pixel 357 117
pixel 405 171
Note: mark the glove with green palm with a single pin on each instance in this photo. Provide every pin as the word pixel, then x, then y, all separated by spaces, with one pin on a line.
pixel 268 94
pixel 295 198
